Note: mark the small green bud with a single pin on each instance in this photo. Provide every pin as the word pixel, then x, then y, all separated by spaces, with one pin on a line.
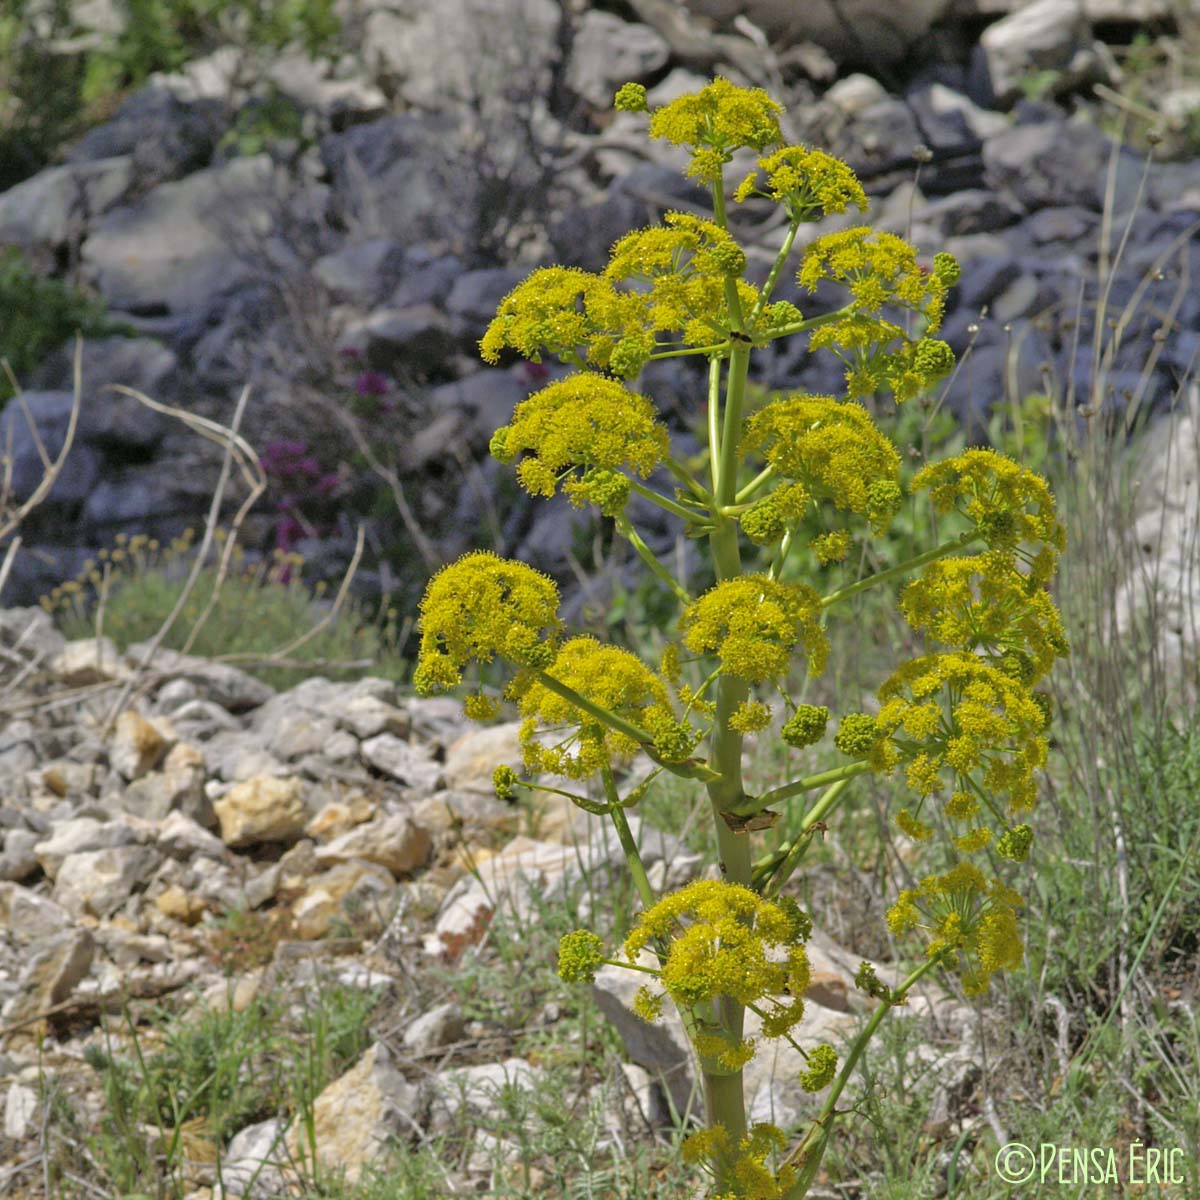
pixel 505 781
pixel 1014 843
pixel 630 97
pixel 1046 704
pixel 822 1066
pixel 806 726
pixel 867 981
pixel 498 446
pixel 856 735
pixel 946 268
pixel 579 955
pixel 800 922
pixel 933 358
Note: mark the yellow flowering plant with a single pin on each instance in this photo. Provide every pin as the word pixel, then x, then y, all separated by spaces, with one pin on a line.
pixel 962 728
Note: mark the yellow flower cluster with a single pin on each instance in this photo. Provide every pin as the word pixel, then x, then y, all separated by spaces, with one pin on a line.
pixel 753 624
pixel 725 940
pixel 572 314
pixel 809 183
pixel 715 121
pixel 1007 503
pixel 966 916
pixel 745 1165
pixel 584 421
pixel 984 603
pixel 955 715
pixel 881 270
pixel 686 262
pixel 481 607
pixel 834 449
pixel 878 269
pixel 769 518
pixel 613 679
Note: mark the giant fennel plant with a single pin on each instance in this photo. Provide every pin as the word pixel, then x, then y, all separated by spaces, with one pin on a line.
pixel 961 727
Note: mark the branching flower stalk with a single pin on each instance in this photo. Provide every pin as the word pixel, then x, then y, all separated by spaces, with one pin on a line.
pixel 960 727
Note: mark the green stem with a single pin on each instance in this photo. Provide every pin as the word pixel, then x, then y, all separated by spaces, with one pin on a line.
pixel 814 1141
pixel 723 1090
pixel 718 348
pixel 781 555
pixel 714 420
pixel 784 862
pixel 807 324
pixel 669 505
pixel 753 804
pixel 633 859
pixel 903 568
pixel 688 480
pixel 764 476
pixel 776 268
pixel 631 535
pixel 611 719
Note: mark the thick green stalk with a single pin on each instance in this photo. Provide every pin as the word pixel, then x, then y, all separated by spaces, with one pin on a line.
pixel 724 1094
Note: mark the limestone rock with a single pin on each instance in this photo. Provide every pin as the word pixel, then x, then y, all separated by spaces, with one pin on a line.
pixel 231 688
pixel 410 765
pixel 262 809
pixel 607 52
pixel 340 816
pixel 434 1029
pixel 171 248
pixel 79 836
pixel 54 206
pixel 49 977
pixel 18 860
pixel 1046 35
pixel 357 892
pixel 98 882
pixel 394 842
pixel 471 760
pixel 89 660
pixel 178 787
pixel 864 32
pixel 474 1092
pixel 30 917
pixel 358 1114
pixel 138 745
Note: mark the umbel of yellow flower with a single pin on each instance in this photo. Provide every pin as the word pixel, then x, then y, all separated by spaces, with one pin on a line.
pixel 982 602
pixel 954 715
pixel 833 449
pixel 1007 503
pixel 617 681
pixel 725 940
pixel 584 421
pixel 574 315
pixel 481 607
pixel 809 183
pixel 745 1163
pixel 879 269
pixel 715 121
pixel 753 624
pixel 967 916
pixel 686 263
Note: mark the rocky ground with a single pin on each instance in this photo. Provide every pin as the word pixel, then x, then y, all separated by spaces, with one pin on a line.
pixel 165 829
